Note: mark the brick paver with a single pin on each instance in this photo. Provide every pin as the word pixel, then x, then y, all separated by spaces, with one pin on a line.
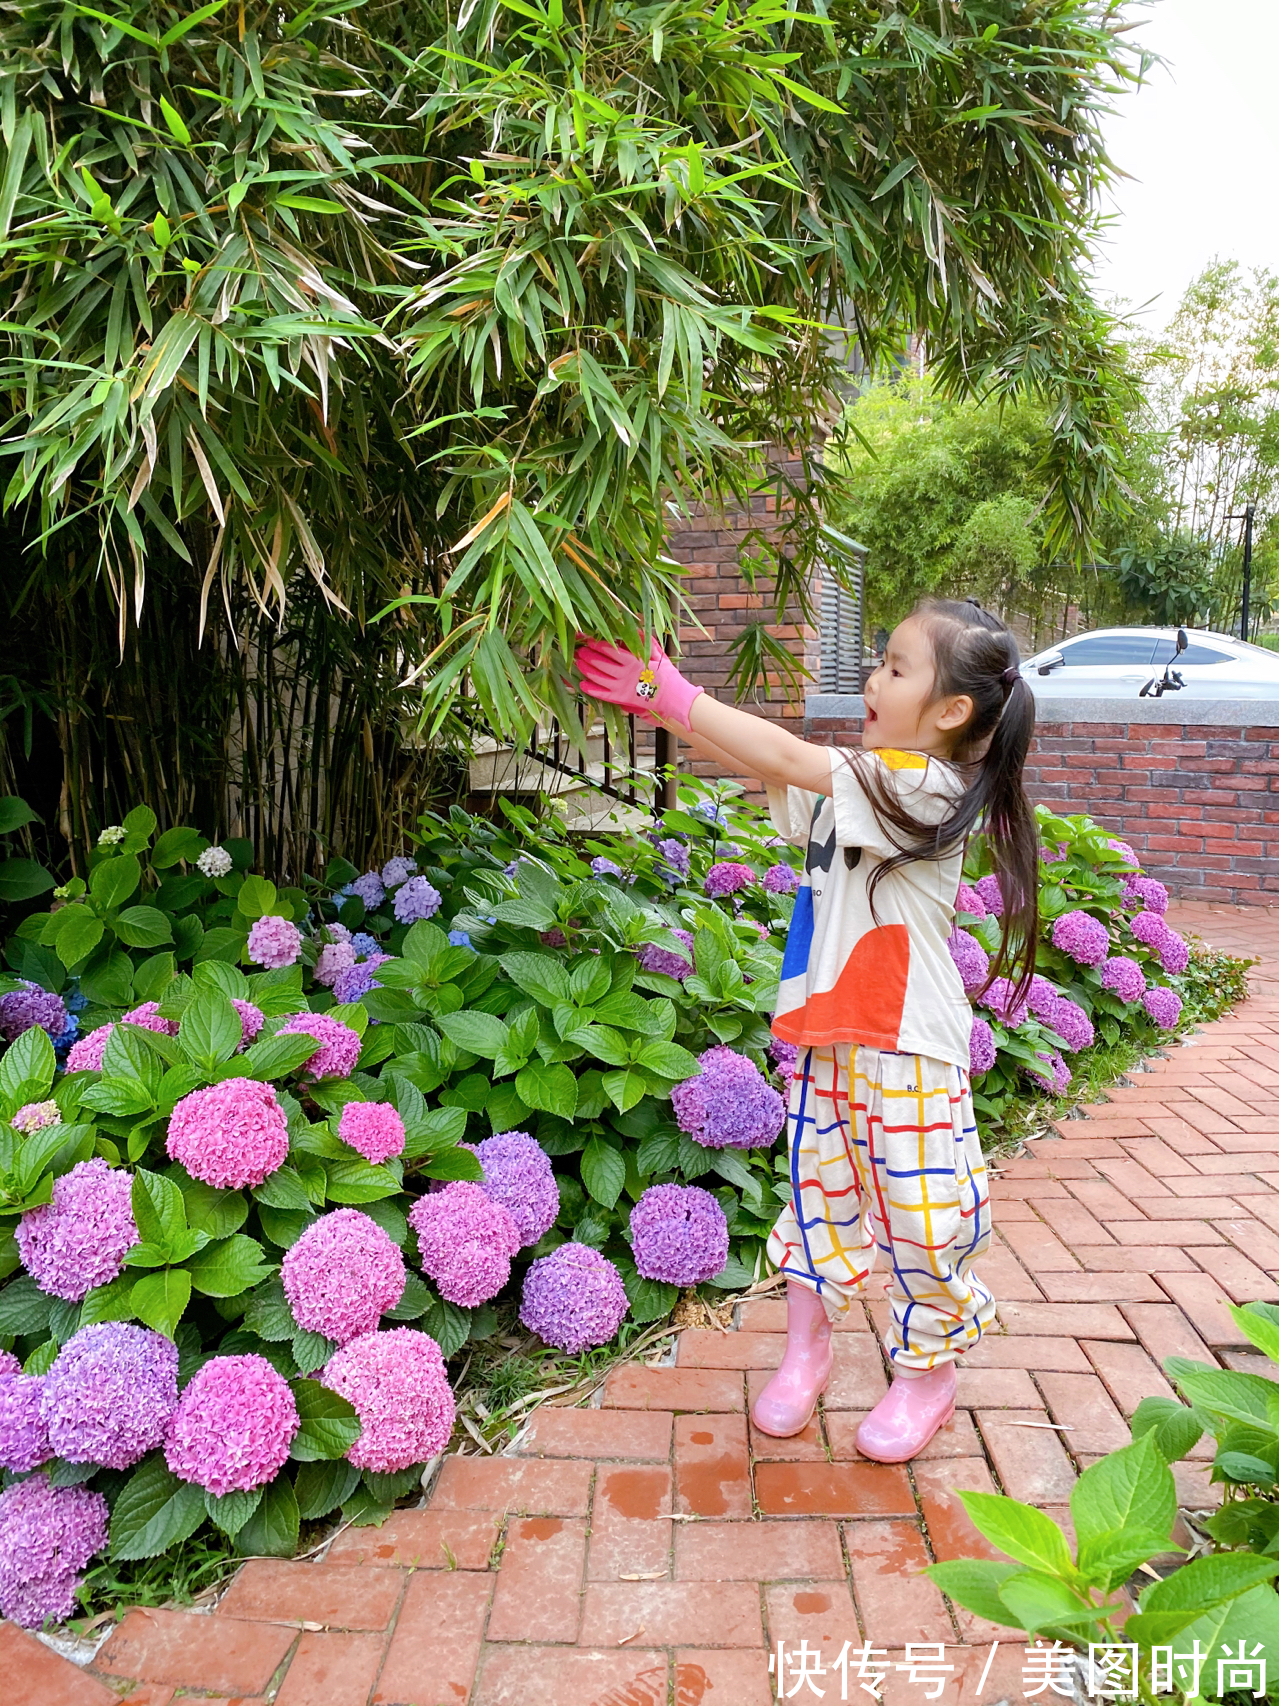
pixel 653 1547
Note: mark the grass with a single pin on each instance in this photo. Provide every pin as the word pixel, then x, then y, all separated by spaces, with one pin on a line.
pixel 188 1572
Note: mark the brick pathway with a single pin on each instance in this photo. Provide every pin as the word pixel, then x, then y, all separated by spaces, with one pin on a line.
pixel 563 1575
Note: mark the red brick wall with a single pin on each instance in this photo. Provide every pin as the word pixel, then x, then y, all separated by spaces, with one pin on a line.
pixel 1198 802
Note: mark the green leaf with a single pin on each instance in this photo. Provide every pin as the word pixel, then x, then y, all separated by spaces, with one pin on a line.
pixel 114 880
pixel 1176 1428
pixel 177 844
pixel 143 927
pixel 232 1510
pixel 1208 1581
pixel 14 813
pixel 109 981
pixel 1260 1322
pixel 311 1350
pixel 603 1171
pixel 113 1302
pixel 28 1068
pixel 669 1060
pixel 330 1426
pixel 42 1358
pixel 272 1530
pixel 227 1268
pixel 321 1486
pixel 268 1314
pixel 160 1299
pixel 650 1300
pixel 974 1583
pixel 219 1213
pixel 453 1163
pixel 540 975
pixel 225 979
pixel 274 1057
pixel 154 1512
pixel 479 1033
pixel 550 1088
pixel 1038 1601
pixel 625 1089
pixel 256 898
pixel 415 1300
pixel 386 1489
pixel 1020 1530
pixel 358 1181
pixel 159 1211
pixel 448 1325
pixel 210 1029
pixel 24 1308
pixel 282 1189
pixel 1131 1489
pixel 175 123
pixel 1107 1560
pixel 23 879
pixel 1252 1618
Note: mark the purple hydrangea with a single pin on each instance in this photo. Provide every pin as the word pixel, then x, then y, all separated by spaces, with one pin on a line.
pixel 400 1389
pixel 602 867
pixel 1174 953
pixel 553 938
pixel 252 1020
pixel 679 1235
pixel 23 1009
pixel 971 960
pixel 1145 892
pixel 397 871
pixel 573 1299
pixel 1163 1006
pixel 229 1135
pixel 729 1104
pixel 334 957
pixel 1124 977
pixel 370 889
pixel 1042 996
pixel 86 1055
pixel 666 960
pixel 781 879
pixel 110 1394
pixel 24 1438
pixel 274 942
pixel 1081 936
pixel 466 1241
pixel 373 1129
pixel 676 857
pixel 36 1116
pixel 47 1536
pixel 981 1047
pixel 1125 850
pixel 1002 1000
pixel 727 878
pixel 9 1364
pixel 233 1426
pixel 990 895
pixel 357 980
pixel 1053 855
pixel 969 901
pixel 337 1045
pixel 1059 1081
pixel 1070 1023
pixel 78 1241
pixel 785 1057
pixel 518 1174
pixel 343 1274
pixel 149 1017
pixel 415 900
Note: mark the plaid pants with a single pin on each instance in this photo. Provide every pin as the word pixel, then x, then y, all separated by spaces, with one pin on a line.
pixel 884 1155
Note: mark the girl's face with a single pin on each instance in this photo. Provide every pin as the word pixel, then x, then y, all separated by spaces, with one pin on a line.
pixel 901 710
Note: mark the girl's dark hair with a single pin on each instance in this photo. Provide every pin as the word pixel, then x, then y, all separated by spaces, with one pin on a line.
pixel 975 654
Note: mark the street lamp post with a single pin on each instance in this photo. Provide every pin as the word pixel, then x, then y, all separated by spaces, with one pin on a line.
pixel 1247 519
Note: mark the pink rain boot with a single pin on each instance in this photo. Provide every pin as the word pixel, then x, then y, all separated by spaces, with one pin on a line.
pixel 908 1415
pixel 786 1404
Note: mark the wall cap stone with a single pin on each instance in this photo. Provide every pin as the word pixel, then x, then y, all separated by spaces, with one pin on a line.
pixel 1175 708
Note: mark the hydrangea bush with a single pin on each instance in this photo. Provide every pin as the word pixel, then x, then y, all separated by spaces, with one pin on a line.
pixel 300 1147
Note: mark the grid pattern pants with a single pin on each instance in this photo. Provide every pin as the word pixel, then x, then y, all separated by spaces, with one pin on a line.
pixel 884 1156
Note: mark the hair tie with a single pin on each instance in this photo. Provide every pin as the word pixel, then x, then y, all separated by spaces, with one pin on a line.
pixel 1010 675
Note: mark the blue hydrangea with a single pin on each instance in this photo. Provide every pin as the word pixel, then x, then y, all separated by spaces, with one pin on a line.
pixel 365 945
pixel 370 889
pixel 459 939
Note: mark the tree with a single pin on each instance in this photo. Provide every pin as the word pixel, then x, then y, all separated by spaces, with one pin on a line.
pixel 450 310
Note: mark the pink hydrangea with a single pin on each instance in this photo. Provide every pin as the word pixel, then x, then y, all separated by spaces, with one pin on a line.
pixel 1053 855
pixel 343 1274
pixel 233 1426
pixel 86 1055
pixel 400 1389
pixel 969 901
pixel 1149 929
pixel 727 878
pixel 1059 1081
pixel 229 1135
pixel 1163 1006
pixel 148 1016
pixel 24 1434
pixel 337 1045
pixel 1001 998
pixel 252 1020
pixel 466 1241
pixel 991 895
pixel 971 960
pixel 1122 848
pixel 1082 936
pixel 36 1116
pixel 653 958
pixel 274 942
pixel 1145 892
pixel 373 1129
pixel 981 1048
pixel 47 1536
pixel 334 957
pixel 1124 976
pixel 781 879
pixel 78 1241
pixel 1174 953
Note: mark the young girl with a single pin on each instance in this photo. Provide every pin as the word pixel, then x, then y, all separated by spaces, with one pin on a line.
pixel 884 1151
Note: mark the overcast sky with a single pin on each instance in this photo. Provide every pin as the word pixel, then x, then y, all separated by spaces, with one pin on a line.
pixel 1201 142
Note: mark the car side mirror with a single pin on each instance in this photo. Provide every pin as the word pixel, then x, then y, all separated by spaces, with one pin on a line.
pixel 1182 641
pixel 1053 661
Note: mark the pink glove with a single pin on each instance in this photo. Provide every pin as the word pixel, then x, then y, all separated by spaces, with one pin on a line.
pixel 656 689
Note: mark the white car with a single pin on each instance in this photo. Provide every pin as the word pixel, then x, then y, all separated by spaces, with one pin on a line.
pixel 1116 663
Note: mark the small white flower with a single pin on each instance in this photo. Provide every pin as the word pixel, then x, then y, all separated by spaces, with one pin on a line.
pixel 111 834
pixel 214 862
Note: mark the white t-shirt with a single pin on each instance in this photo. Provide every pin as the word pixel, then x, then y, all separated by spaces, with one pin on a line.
pixel 845 978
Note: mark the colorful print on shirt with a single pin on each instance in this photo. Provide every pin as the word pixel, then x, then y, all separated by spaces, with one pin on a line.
pixel 887 982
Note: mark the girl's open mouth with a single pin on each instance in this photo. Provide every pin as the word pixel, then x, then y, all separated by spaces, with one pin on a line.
pixel 871 716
